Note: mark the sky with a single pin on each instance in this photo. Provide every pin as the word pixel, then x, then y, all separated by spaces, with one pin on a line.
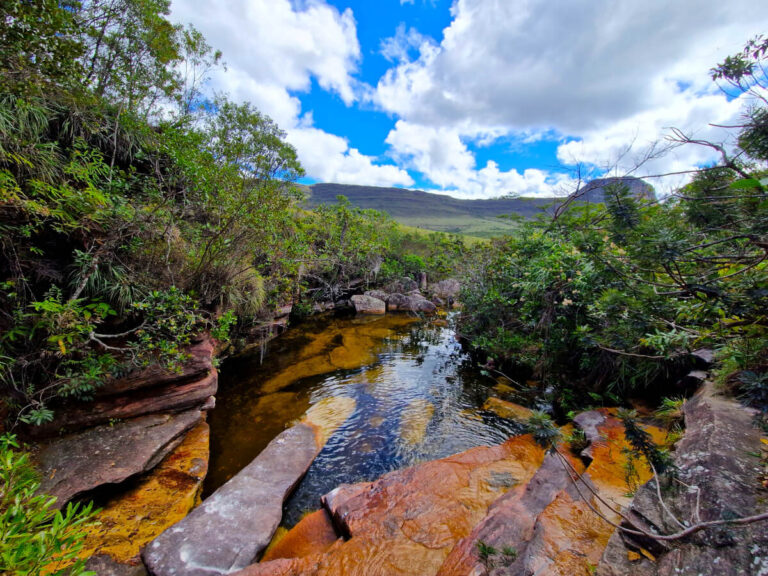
pixel 483 98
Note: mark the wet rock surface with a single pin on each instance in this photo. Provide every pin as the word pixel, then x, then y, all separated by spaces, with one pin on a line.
pixel 81 462
pixel 409 520
pixel 234 525
pixel 411 302
pixel 130 520
pixel 715 457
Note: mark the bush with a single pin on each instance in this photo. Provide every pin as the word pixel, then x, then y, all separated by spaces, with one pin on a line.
pixel 34 538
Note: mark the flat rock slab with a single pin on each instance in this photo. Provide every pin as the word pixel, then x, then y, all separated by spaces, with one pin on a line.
pixel 236 523
pixel 717 457
pixel 78 463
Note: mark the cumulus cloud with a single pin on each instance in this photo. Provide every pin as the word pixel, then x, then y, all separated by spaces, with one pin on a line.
pixel 442 155
pixel 274 49
pixel 600 74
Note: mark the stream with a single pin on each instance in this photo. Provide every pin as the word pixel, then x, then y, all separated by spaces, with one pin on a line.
pixel 417 395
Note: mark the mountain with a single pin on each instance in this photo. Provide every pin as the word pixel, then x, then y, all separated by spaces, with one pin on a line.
pixel 447 214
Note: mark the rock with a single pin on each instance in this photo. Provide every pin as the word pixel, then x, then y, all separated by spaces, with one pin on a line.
pixel 78 463
pixel 172 397
pixel 410 303
pixel 589 422
pixel 508 410
pixel 229 530
pixel 103 565
pixel 403 286
pixel 196 367
pixel 368 305
pixel 380 294
pixel 407 522
pixel 314 534
pixel 511 519
pixel 422 280
pixel 284 311
pixel 447 290
pixel 414 421
pixel 716 456
pixel 130 520
pixel 704 357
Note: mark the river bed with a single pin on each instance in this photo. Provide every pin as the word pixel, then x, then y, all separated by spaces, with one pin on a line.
pixel 417 394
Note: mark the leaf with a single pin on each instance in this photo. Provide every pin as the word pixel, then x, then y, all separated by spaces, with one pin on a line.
pixel 746 183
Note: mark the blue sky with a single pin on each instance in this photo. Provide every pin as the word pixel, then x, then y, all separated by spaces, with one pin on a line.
pixel 481 98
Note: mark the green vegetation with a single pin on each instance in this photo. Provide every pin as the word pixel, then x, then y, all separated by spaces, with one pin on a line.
pixel 607 301
pixel 34 538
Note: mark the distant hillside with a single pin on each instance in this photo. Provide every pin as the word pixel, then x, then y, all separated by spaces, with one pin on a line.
pixel 447 214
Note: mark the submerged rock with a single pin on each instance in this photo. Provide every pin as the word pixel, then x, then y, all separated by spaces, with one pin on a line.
pixel 508 410
pixel 81 462
pixel 716 462
pixel 414 421
pixel 236 523
pixel 368 305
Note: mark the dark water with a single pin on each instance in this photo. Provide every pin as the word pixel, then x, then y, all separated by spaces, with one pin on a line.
pixel 413 393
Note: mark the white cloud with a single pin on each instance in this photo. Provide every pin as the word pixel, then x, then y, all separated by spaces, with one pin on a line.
pixel 443 156
pixel 273 49
pixel 597 71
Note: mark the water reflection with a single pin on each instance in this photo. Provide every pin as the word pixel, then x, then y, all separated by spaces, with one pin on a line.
pixel 418 397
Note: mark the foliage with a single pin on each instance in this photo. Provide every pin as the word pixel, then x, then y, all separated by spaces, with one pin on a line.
pixel 643 444
pixel 34 538
pixel 544 431
pixel 609 300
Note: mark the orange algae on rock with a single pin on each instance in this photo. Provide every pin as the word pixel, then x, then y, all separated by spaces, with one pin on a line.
pixel 314 534
pixel 165 496
pixel 407 521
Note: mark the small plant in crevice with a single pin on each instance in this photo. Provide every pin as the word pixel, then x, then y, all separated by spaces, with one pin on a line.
pixel 490 557
pixel 543 429
pixel 577 441
pixel 643 445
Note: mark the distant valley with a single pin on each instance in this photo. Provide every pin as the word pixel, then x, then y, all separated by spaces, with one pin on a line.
pixel 481 218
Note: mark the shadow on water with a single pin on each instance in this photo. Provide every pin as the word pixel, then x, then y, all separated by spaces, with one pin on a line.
pixel 418 397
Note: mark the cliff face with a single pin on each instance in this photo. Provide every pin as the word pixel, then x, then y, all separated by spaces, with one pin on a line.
pixel 595 190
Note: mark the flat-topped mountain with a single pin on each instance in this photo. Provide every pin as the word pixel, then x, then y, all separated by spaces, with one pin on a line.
pixel 448 214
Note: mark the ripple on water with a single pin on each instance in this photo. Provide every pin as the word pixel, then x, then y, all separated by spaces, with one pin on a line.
pixel 409 390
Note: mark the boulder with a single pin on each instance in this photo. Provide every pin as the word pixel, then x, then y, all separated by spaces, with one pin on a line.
pixel 716 461
pixel 103 565
pixel 413 302
pixel 380 294
pixel 368 305
pixel 403 285
pixel 79 463
pixel 508 410
pixel 448 289
pixel 236 523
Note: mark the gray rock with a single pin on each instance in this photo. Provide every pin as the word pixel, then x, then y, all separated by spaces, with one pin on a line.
pixel 368 305
pixel 403 285
pixel 413 302
pixel 78 463
pixel 716 455
pixel 446 289
pixel 380 294
pixel 588 422
pixel 233 526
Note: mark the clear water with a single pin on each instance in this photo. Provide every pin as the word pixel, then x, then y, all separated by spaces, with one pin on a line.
pixel 418 397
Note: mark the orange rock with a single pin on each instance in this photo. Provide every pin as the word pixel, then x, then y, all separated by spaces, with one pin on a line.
pixel 314 534
pixel 407 521
pixel 508 410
